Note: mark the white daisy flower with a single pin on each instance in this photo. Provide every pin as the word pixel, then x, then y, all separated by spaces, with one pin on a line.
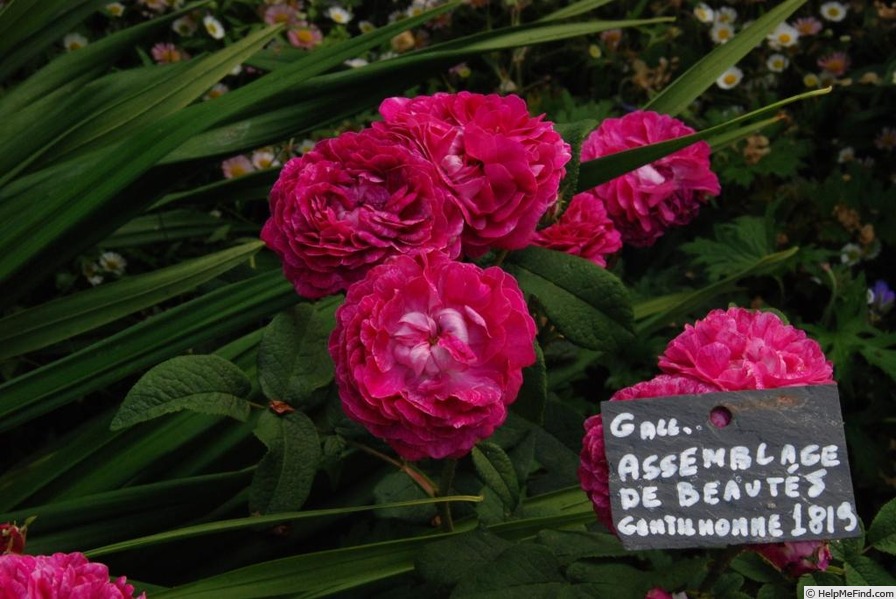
pixel 184 26
pixel 726 14
pixel 704 13
pixel 730 78
pixel 74 41
pixel 721 32
pixel 112 262
pixel 784 36
pixel 339 15
pixel 776 63
pixel 114 9
pixel 213 27
pixel 356 63
pixel 833 11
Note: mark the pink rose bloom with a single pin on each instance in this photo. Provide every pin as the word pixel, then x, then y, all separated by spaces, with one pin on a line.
pixel 647 201
pixel 349 204
pixel 594 472
pixel 58 576
pixel 429 353
pixel 796 558
pixel 12 538
pixel 738 349
pixel 583 230
pixel 503 165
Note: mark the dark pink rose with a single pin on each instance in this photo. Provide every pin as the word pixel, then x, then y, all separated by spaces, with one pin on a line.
pixel 59 576
pixel 738 349
pixel 797 558
pixel 583 230
pixel 351 203
pixel 647 201
pixel 594 472
pixel 429 353
pixel 503 165
pixel 12 538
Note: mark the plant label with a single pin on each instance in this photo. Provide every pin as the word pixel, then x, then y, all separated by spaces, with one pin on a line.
pixel 729 468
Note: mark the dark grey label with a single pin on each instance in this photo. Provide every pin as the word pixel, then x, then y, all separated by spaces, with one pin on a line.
pixel 777 471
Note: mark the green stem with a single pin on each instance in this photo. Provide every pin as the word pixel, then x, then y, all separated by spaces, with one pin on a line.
pixel 448 469
pixel 423 481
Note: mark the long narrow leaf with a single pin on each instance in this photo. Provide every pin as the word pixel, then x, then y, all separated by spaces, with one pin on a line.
pixel 601 170
pixel 141 346
pixel 686 88
pixel 576 9
pixel 66 317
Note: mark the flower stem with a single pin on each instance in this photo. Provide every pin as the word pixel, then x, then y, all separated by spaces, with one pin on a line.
pixel 423 481
pixel 445 482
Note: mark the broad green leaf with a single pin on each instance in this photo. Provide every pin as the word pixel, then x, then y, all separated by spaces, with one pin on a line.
pixel 450 561
pixel 678 95
pixel 609 580
pixel 861 570
pixel 398 487
pixel 293 360
pixel 283 478
pixel 587 304
pixel 882 533
pixel 523 570
pixel 603 169
pixel 574 134
pixel 497 473
pixel 533 394
pixel 775 591
pixel 753 567
pixel 143 345
pixel 66 317
pixel 205 384
pixel 737 246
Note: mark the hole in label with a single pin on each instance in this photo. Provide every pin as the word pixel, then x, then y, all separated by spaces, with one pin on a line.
pixel 720 416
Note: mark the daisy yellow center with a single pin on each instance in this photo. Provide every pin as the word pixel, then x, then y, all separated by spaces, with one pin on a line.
pixel 784 38
pixel 730 79
pixel 305 35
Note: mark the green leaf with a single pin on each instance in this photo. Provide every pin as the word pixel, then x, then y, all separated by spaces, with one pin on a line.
pixel 575 9
pixel 574 134
pixel 753 567
pixel 603 169
pixel 171 226
pixel 533 394
pixel 398 487
pixel 864 571
pixel 678 95
pixel 204 384
pixel 775 591
pixel 283 478
pixel 66 317
pixel 882 533
pixel 587 304
pixel 450 561
pixel 496 470
pixel 523 570
pixel 610 581
pixel 572 545
pixel 141 346
pixel 738 246
pixel 293 360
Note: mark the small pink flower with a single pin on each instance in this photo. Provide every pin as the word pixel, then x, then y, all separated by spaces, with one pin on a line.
pixel 351 203
pixel 796 558
pixel 59 576
pixel 305 36
pixel 281 13
pixel 583 230
pixel 429 353
pixel 807 26
pixel 666 193
pixel 503 165
pixel 167 53
pixel 738 349
pixel 835 63
pixel 594 472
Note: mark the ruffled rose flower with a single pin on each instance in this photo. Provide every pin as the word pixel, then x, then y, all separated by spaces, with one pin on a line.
pixel 503 165
pixel 647 201
pixel 351 203
pixel 59 576
pixel 429 352
pixel 594 471
pixel 583 230
pixel 739 349
pixel 796 558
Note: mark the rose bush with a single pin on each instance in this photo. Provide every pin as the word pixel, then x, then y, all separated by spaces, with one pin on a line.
pixel 429 352
pixel 668 192
pixel 350 203
pixel 503 166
